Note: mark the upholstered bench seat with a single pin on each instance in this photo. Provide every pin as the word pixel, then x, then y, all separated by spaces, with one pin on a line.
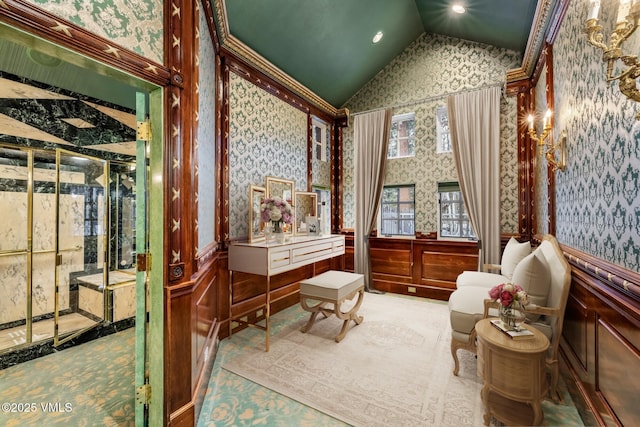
pixel 332 287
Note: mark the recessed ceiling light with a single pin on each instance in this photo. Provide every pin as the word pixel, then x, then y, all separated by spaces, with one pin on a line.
pixel 378 37
pixel 458 8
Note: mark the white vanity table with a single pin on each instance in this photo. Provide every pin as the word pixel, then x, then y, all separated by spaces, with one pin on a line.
pixel 270 258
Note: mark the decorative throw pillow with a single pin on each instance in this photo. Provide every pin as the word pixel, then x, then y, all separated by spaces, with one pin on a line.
pixel 534 275
pixel 513 253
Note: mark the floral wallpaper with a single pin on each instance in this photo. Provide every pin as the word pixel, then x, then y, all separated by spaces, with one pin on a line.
pixel 267 137
pixel 206 148
pixel 134 24
pixel 598 208
pixel 419 80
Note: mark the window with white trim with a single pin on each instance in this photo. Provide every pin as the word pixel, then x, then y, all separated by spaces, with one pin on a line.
pixel 443 143
pixel 402 138
pixel 320 139
pixel 453 218
pixel 397 210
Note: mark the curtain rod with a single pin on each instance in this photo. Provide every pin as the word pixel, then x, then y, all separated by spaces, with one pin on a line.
pixel 432 98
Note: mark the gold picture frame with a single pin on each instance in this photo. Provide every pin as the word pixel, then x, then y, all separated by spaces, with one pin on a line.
pixel 284 189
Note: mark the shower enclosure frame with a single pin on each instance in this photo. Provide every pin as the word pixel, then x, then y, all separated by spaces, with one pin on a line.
pixel 35 245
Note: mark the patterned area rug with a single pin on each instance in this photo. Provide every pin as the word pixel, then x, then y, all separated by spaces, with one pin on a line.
pixel 393 369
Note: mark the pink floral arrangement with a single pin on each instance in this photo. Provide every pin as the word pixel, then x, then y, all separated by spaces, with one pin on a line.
pixel 507 293
pixel 276 211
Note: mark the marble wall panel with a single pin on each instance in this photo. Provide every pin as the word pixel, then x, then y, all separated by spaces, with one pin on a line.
pixel 91 301
pixel 124 302
pixel 13 288
pixel 13 234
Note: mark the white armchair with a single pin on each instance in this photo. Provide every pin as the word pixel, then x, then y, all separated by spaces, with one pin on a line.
pixel 547 283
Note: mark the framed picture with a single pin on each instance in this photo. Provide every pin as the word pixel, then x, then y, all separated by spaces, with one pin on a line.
pixel 305 204
pixel 256 226
pixel 313 226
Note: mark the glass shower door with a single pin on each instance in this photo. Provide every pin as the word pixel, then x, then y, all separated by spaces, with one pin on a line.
pixel 82 242
pixel 15 254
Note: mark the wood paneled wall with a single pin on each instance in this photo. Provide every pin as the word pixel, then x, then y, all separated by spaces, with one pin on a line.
pixel 421 267
pixel 601 338
pixel 192 329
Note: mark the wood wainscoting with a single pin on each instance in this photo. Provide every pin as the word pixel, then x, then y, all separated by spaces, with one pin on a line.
pixel 192 334
pixel 421 267
pixel 601 338
pixel 248 291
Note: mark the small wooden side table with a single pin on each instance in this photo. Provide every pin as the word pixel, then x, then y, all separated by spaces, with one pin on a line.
pixel 513 371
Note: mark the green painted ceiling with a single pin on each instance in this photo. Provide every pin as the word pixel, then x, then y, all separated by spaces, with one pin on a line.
pixel 326 45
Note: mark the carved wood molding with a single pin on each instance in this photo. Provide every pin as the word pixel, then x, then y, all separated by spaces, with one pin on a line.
pixel 536 41
pixel 41 23
pixel 619 279
pixel 546 24
pixel 266 83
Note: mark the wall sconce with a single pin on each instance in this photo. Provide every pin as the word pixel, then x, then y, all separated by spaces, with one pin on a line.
pixel 626 24
pixel 549 148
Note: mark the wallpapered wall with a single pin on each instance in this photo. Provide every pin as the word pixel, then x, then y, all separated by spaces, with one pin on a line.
pixel 134 24
pixel 206 135
pixel 419 80
pixel 598 209
pixel 267 137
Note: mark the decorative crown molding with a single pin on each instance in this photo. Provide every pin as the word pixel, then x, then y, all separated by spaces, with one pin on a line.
pixel 536 41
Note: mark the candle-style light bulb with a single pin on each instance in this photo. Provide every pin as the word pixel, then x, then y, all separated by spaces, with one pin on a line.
pixel 623 10
pixel 547 118
pixel 530 120
pixel 595 9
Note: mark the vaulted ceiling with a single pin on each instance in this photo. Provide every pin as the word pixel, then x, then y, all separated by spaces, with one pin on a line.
pixel 320 49
pixel 326 45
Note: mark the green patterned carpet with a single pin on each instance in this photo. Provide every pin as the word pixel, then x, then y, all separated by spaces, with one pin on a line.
pixel 88 385
pixel 92 385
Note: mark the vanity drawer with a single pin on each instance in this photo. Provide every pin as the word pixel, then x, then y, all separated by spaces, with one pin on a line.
pixel 279 258
pixel 312 251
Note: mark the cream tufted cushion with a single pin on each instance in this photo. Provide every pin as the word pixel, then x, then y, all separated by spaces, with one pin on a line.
pixel 514 252
pixel 534 275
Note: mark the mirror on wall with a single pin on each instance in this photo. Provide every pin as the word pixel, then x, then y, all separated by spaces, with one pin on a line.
pixel 284 189
pixel 305 205
pixel 256 226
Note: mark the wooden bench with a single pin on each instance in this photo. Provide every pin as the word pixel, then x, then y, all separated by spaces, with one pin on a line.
pixel 332 287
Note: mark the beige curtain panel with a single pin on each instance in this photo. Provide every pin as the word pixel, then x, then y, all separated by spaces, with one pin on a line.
pixel 474 124
pixel 371 140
